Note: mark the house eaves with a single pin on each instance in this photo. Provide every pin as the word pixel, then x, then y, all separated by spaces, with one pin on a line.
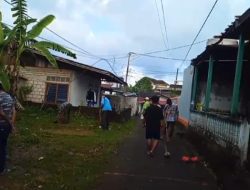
pixel 103 74
pixel 221 53
pixel 239 26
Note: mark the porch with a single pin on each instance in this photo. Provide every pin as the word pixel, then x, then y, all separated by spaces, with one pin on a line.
pixel 220 102
pixel 223 130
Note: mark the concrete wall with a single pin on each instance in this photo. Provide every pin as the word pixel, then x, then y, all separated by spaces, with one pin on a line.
pixel 80 84
pixel 120 103
pixel 37 77
pixel 185 99
pixel 131 102
pixel 221 96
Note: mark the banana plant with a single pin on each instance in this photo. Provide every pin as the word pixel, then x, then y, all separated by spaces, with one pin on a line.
pixel 17 40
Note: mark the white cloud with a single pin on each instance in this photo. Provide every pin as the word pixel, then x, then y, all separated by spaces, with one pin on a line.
pixel 120 26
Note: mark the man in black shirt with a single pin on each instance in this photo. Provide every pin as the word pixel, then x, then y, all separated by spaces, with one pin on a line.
pixel 153 122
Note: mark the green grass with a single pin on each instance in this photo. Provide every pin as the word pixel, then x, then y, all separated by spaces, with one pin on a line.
pixel 46 155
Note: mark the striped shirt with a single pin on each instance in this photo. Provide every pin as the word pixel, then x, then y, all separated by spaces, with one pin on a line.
pixel 171 112
pixel 6 105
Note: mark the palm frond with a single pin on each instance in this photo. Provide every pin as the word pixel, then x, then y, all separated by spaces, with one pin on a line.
pixel 45 52
pixel 4 79
pixel 1 30
pixel 20 13
pixel 6 30
pixel 39 27
pixel 29 21
pixel 56 47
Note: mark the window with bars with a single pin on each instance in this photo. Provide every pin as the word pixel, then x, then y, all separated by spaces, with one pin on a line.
pixel 56 93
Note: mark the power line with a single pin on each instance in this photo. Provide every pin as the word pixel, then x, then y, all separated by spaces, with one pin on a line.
pixel 159 57
pixel 164 22
pixel 175 48
pixel 101 59
pixel 74 45
pixel 84 52
pixel 199 32
pixel 162 34
pixel 45 39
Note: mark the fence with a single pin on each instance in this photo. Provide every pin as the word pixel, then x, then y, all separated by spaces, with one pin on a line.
pixel 224 130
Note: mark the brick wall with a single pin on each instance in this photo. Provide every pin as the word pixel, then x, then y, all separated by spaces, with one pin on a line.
pixel 37 77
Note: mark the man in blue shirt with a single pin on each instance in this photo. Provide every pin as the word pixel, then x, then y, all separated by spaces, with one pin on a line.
pixel 106 108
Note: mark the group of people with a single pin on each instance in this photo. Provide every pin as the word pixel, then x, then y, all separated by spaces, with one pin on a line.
pixel 159 123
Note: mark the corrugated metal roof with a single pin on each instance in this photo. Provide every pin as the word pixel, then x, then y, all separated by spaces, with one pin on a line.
pixel 110 77
pixel 219 53
pixel 105 74
pixel 239 25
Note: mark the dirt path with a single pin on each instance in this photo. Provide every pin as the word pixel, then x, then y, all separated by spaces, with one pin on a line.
pixel 131 169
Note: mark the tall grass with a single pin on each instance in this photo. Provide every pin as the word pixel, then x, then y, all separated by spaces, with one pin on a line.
pixel 47 155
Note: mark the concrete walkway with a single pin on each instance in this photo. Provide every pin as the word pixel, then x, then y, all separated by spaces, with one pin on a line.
pixel 132 169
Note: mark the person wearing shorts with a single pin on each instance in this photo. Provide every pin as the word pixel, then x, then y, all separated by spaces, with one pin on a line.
pixel 153 119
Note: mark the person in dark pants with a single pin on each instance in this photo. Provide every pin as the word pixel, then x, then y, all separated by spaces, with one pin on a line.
pixel 90 98
pixel 7 118
pixel 153 118
pixel 106 109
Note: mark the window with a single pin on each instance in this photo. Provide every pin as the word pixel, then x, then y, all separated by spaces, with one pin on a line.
pixel 57 79
pixel 56 93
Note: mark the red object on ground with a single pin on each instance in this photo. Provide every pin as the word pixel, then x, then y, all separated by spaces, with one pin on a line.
pixel 195 159
pixel 185 158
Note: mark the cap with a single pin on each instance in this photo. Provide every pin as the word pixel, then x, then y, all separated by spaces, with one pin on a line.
pixel 147 98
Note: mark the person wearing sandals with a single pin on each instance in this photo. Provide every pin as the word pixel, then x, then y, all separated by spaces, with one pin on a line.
pixel 153 119
pixel 171 114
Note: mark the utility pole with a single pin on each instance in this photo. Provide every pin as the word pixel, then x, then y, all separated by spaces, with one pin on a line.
pixel 176 78
pixel 129 55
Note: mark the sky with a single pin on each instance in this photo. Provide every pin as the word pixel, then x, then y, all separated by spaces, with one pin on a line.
pixel 103 32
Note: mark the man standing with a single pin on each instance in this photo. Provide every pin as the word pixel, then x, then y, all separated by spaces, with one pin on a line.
pixel 106 109
pixel 171 114
pixel 90 98
pixel 7 118
pixel 153 122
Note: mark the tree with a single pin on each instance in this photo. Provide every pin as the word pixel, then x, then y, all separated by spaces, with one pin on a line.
pixel 143 85
pixel 14 42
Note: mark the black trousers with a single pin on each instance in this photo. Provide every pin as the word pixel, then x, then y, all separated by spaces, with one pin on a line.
pixel 105 120
pixel 4 134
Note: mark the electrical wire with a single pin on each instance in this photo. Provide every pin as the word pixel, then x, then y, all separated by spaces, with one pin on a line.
pixel 174 48
pixel 64 39
pixel 216 1
pixel 159 57
pixel 164 22
pixel 162 34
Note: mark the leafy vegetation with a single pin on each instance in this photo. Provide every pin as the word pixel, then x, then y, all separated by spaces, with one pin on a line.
pixel 14 42
pixel 143 85
pixel 23 91
pixel 47 155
